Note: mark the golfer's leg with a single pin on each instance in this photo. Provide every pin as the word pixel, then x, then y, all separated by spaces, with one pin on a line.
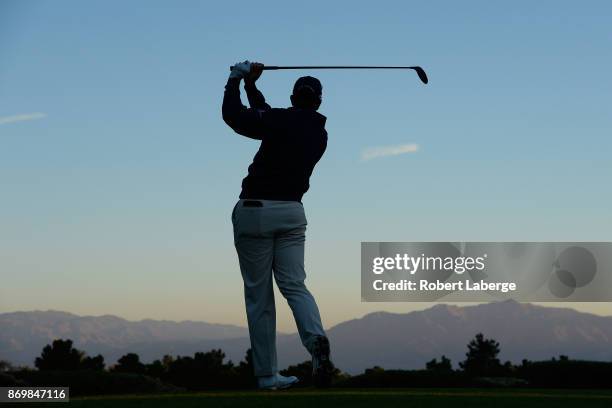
pixel 255 254
pixel 290 274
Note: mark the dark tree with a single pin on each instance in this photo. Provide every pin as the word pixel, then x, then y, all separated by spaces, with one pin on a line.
pixel 167 360
pixel 155 369
pixel 374 370
pixel 444 365
pixel 245 368
pixel 211 362
pixel 481 358
pixel 202 371
pixel 93 363
pixel 129 363
pixel 60 355
pixel 159 368
pixel 5 366
pixel 181 372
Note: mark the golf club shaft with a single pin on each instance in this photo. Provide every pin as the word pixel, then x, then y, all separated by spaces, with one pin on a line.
pixel 275 67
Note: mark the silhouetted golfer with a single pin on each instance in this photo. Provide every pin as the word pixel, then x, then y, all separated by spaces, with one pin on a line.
pixel 269 220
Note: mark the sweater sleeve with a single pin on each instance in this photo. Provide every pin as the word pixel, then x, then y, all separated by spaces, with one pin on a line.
pixel 249 122
pixel 256 98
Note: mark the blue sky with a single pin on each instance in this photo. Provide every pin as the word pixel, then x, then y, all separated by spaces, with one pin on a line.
pixel 117 188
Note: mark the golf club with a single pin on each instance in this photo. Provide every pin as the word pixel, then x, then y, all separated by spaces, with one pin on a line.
pixel 420 72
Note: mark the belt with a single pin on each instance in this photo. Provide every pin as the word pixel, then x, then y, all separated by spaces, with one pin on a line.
pixel 252 203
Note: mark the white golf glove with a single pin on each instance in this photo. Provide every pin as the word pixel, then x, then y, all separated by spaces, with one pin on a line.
pixel 240 70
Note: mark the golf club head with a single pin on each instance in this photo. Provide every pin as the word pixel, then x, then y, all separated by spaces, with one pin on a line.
pixel 421 73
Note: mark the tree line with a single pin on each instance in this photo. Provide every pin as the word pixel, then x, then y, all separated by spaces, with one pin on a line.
pixel 61 361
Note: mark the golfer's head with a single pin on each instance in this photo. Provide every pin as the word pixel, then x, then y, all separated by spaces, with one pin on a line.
pixel 307 93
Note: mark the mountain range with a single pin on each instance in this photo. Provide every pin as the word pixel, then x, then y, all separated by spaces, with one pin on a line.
pixel 389 340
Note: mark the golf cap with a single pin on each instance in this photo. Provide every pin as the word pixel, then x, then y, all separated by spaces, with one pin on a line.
pixel 308 82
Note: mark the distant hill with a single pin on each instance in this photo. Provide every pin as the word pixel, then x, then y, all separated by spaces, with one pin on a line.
pixel 524 331
pixel 390 340
pixel 24 334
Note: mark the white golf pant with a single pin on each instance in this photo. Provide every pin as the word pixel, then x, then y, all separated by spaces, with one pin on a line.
pixel 269 240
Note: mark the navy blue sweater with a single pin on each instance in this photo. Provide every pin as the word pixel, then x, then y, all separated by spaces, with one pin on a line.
pixel 292 142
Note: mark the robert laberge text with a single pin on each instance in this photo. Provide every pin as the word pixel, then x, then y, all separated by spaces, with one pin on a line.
pixel 425 285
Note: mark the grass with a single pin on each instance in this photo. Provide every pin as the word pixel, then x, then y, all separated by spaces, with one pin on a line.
pixel 378 398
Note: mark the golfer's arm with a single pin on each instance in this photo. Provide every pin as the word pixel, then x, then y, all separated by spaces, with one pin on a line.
pixel 247 122
pixel 256 98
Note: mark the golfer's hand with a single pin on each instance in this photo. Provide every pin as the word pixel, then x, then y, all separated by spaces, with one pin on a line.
pixel 255 73
pixel 240 70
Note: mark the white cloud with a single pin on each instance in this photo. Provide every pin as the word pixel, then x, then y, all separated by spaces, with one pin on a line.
pixel 21 118
pixel 384 151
